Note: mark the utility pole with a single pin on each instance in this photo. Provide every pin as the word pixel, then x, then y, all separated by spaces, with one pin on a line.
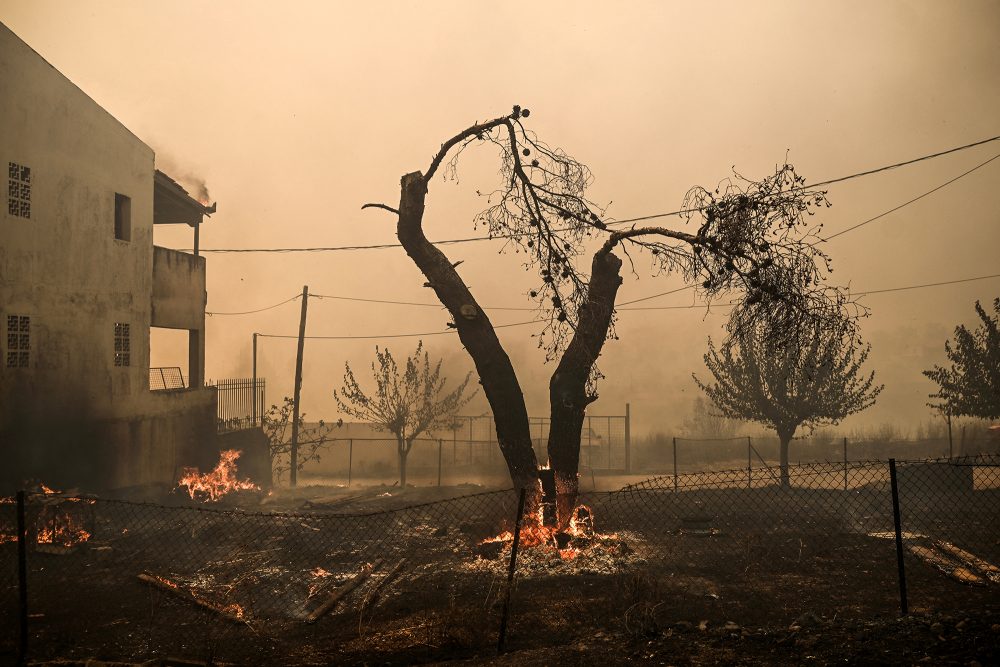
pixel 253 400
pixel 294 470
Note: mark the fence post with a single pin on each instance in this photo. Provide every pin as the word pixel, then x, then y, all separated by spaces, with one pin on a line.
pixel 675 465
pixel 951 445
pixel 439 461
pixel 253 399
pixel 628 438
pixel 749 464
pixel 510 572
pixel 22 582
pixel 350 460
pixel 845 464
pixel 899 537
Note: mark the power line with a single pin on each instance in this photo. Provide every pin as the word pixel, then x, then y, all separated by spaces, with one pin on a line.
pixel 864 293
pixel 405 335
pixel 259 310
pixel 688 307
pixel 384 246
pixel 624 303
pixel 910 287
pixel 654 296
pixel 408 303
pixel 917 198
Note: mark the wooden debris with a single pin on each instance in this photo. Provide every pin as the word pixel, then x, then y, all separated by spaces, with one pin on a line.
pixel 986 568
pixel 944 564
pixel 387 578
pixel 340 593
pixel 232 612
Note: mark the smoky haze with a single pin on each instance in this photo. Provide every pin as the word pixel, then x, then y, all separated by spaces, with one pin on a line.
pixel 298 116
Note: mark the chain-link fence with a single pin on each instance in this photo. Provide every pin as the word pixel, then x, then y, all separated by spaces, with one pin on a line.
pixel 119 580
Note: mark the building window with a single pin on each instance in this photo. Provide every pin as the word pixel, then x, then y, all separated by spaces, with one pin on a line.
pixel 123 217
pixel 123 344
pixel 19 190
pixel 18 341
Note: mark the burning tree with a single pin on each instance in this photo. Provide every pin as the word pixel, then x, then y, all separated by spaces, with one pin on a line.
pixel 406 405
pixel 786 382
pixel 752 237
pixel 971 386
pixel 276 423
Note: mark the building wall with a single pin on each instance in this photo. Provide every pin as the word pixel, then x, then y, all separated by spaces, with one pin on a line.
pixel 177 277
pixel 72 413
pixel 63 266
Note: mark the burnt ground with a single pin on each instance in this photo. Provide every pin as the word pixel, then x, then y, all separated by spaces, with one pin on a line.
pixel 803 582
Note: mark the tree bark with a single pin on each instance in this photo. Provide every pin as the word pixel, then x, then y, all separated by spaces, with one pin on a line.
pixel 403 453
pixel 496 373
pixel 568 396
pixel 784 437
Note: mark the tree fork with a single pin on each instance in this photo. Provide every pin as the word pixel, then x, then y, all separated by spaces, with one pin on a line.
pixel 496 373
pixel 568 396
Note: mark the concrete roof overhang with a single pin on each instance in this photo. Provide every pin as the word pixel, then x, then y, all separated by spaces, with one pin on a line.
pixel 172 205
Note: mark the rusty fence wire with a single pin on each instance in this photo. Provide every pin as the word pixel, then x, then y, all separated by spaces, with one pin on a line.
pixel 118 580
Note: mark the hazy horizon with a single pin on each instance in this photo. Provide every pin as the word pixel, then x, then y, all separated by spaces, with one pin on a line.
pixel 294 117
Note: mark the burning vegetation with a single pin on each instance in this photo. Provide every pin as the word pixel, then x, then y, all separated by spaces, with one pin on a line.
pixel 60 522
pixel 212 486
pixel 544 548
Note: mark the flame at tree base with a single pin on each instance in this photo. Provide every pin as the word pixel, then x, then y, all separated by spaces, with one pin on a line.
pixel 567 544
pixel 211 486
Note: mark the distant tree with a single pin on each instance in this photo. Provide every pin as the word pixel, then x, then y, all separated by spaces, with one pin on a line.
pixel 749 239
pixel 971 386
pixel 408 404
pixel 808 380
pixel 707 422
pixel 277 422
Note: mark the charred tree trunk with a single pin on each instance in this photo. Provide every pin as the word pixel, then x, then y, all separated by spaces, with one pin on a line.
pixel 496 373
pixel 568 387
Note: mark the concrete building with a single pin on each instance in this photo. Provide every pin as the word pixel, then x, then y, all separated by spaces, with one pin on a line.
pixel 81 284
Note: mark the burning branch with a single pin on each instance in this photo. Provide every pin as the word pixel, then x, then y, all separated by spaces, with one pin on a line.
pixel 342 592
pixel 232 612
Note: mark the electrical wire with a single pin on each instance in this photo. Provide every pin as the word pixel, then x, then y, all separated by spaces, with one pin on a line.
pixel 673 291
pixel 384 246
pixel 405 335
pixel 917 198
pixel 687 307
pixel 259 310
pixel 864 293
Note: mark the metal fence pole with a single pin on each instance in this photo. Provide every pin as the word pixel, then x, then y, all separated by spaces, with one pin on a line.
pixel 899 537
pixel 439 461
pixel 350 459
pixel 22 581
pixel 510 572
pixel 675 465
pixel 628 438
pixel 749 464
pixel 845 464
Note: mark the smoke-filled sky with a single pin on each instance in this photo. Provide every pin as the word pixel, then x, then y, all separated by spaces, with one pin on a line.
pixel 295 114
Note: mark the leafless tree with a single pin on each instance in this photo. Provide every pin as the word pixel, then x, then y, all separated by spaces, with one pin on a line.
pixel 408 404
pixel 786 383
pixel 276 423
pixel 749 237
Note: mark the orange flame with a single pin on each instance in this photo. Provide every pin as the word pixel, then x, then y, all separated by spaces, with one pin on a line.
pixel 60 528
pixel 535 533
pixel 212 486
